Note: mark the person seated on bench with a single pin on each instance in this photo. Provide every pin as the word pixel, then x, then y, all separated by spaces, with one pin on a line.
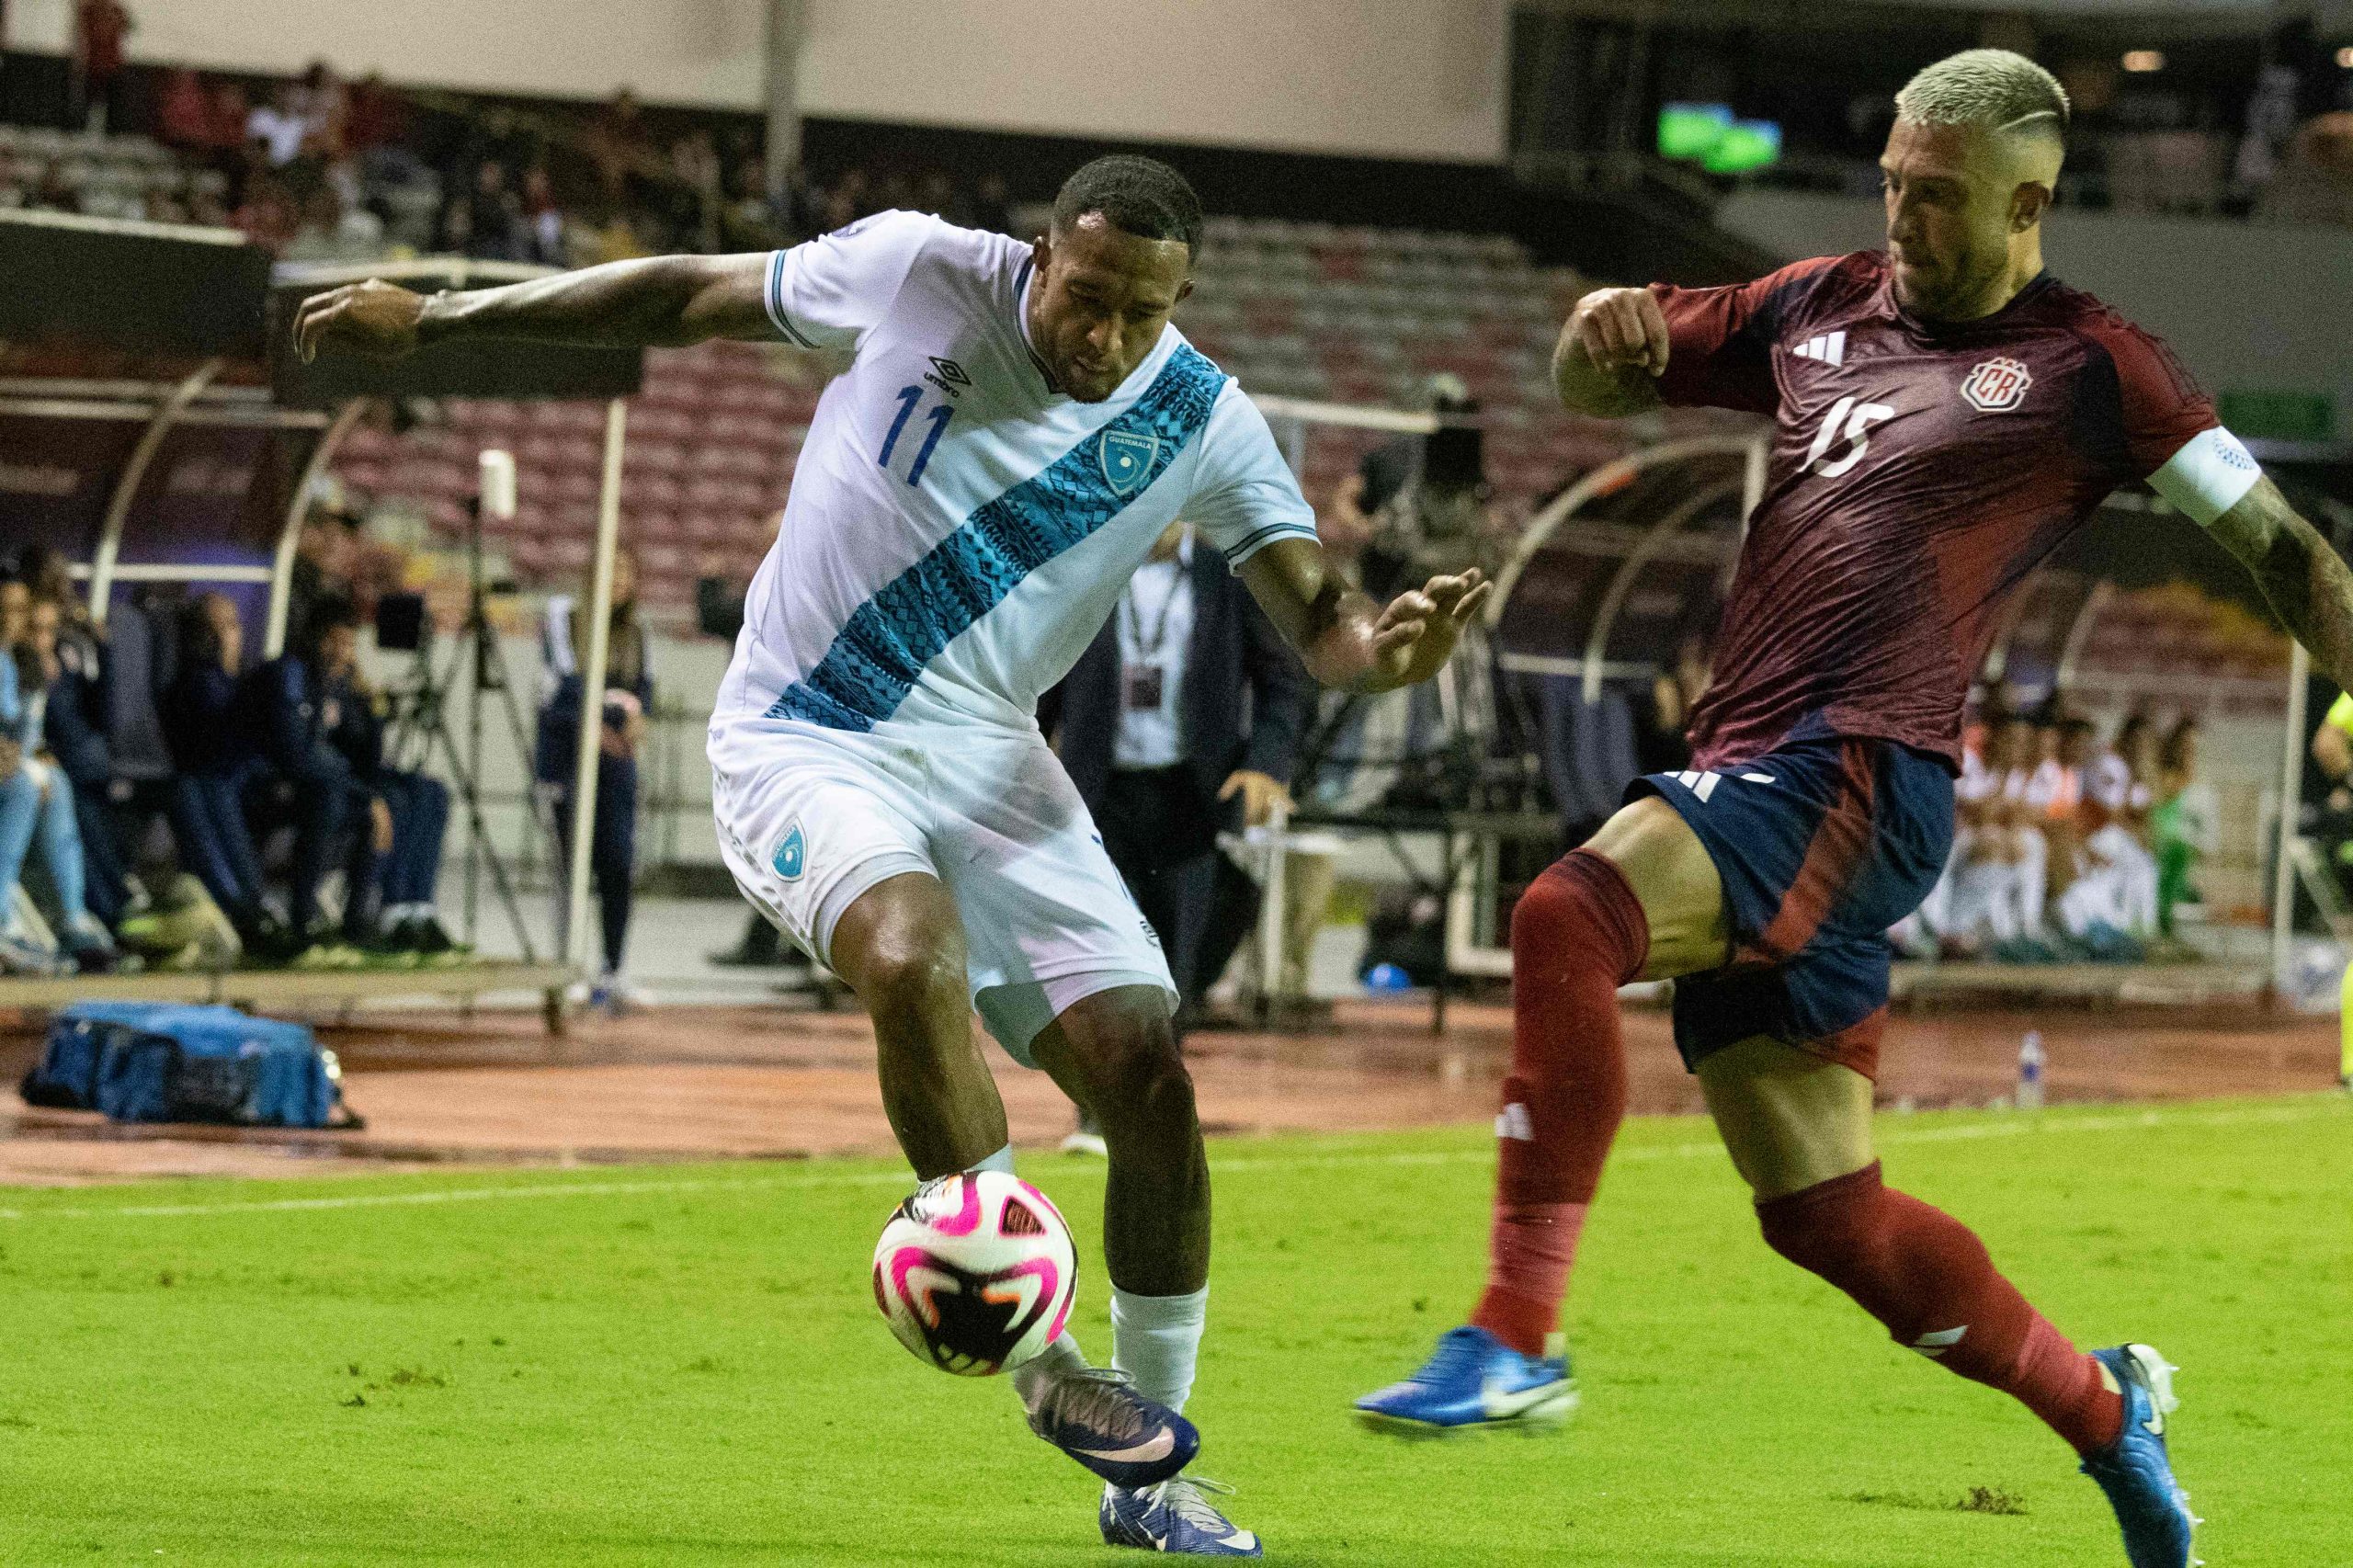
pixel 215 754
pixel 75 730
pixel 298 702
pixel 35 799
pixel 390 878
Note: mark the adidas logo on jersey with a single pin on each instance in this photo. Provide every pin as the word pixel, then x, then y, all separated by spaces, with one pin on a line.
pixel 1830 348
pixel 1512 1123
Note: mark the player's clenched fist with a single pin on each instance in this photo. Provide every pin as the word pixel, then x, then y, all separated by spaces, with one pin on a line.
pixel 374 319
pixel 1620 329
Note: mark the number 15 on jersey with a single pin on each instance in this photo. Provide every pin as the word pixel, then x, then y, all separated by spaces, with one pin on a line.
pixel 938 419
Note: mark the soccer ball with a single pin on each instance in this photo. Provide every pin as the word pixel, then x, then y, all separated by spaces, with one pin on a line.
pixel 975 1272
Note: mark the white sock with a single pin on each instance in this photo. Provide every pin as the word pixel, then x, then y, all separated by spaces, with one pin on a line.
pixel 1156 1339
pixel 1000 1161
pixel 1031 1378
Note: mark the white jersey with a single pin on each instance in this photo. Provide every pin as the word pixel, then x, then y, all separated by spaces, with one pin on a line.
pixel 958 530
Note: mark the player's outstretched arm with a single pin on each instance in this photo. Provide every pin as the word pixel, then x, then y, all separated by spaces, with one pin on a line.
pixel 1611 353
pixel 2307 583
pixel 1343 638
pixel 662 301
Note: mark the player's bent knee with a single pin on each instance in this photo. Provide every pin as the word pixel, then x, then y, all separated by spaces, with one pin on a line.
pixel 1139 1077
pixel 904 983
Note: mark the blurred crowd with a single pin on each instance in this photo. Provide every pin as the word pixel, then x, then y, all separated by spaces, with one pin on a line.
pixel 322 168
pixel 2066 847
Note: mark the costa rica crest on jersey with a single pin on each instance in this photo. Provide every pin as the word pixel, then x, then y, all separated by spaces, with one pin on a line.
pixel 1996 385
pixel 1127 458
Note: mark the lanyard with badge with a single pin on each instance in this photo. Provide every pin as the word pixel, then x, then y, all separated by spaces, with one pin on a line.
pixel 1143 685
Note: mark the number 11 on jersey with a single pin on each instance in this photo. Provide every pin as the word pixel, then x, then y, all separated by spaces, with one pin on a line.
pixel 939 416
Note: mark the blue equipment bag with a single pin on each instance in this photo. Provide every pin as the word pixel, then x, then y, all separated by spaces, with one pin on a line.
pixel 167 1062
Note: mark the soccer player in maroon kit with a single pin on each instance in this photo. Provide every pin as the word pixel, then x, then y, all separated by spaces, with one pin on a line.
pixel 1946 413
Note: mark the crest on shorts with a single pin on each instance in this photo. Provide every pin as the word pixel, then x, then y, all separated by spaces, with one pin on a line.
pixel 1127 458
pixel 1995 386
pixel 792 854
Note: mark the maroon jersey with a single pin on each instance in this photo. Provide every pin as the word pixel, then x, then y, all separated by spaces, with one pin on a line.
pixel 1919 472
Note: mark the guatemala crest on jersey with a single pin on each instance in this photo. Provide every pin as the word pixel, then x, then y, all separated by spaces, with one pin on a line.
pixel 1995 386
pixel 791 856
pixel 1126 458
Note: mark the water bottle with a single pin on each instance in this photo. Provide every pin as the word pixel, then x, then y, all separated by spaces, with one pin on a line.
pixel 2030 1071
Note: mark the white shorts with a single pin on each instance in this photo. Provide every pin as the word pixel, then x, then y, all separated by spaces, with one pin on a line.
pixel 810 818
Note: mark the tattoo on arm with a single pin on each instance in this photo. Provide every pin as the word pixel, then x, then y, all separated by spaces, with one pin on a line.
pixel 2306 583
pixel 662 301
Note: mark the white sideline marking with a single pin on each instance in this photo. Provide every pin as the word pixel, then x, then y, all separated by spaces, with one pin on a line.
pixel 2019 1125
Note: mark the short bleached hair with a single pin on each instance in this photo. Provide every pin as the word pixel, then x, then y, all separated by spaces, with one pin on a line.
pixel 1992 89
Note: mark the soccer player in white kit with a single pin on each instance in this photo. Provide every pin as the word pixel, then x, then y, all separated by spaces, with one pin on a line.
pixel 1018 423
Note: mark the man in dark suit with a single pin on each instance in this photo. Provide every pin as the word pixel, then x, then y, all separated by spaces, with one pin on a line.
pixel 1183 718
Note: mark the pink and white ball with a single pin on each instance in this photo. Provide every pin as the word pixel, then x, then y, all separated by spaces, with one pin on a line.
pixel 975 1272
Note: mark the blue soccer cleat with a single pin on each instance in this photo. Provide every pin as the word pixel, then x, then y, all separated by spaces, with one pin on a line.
pixel 1474 1382
pixel 1172 1516
pixel 1096 1416
pixel 2135 1471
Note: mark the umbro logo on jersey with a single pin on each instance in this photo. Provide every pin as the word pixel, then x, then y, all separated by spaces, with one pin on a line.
pixel 1830 348
pixel 948 376
pixel 1933 1344
pixel 1995 386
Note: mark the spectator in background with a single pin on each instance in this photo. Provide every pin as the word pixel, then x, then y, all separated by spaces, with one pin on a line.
pixel 75 725
pixel 266 214
pixel 544 239
pixel 620 145
pixel 850 198
pixel 2314 182
pixel 2185 824
pixel 627 699
pixel 225 131
pixel 213 755
pixel 1661 744
pixel 485 220
pixel 2113 896
pixel 36 802
pixel 391 869
pixel 694 162
pixel 101 27
pixel 322 102
pixel 281 126
pixel 374 116
pixel 993 205
pixel 184 112
pixel 753 220
pixel 301 700
pixel 326 547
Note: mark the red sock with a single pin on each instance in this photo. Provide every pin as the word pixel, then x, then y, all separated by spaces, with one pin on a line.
pixel 1577 934
pixel 1927 1276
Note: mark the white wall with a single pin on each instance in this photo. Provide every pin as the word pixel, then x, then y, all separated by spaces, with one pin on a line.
pixel 2249 306
pixel 1398 78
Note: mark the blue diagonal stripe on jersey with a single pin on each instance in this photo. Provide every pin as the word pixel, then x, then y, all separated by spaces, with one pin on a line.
pixel 879 652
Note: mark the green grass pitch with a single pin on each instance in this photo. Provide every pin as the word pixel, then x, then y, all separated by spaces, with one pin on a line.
pixel 683 1365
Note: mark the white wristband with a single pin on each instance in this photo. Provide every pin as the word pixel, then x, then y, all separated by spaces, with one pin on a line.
pixel 2207 476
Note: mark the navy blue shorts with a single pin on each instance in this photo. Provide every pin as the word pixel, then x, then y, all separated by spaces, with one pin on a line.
pixel 1822 846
